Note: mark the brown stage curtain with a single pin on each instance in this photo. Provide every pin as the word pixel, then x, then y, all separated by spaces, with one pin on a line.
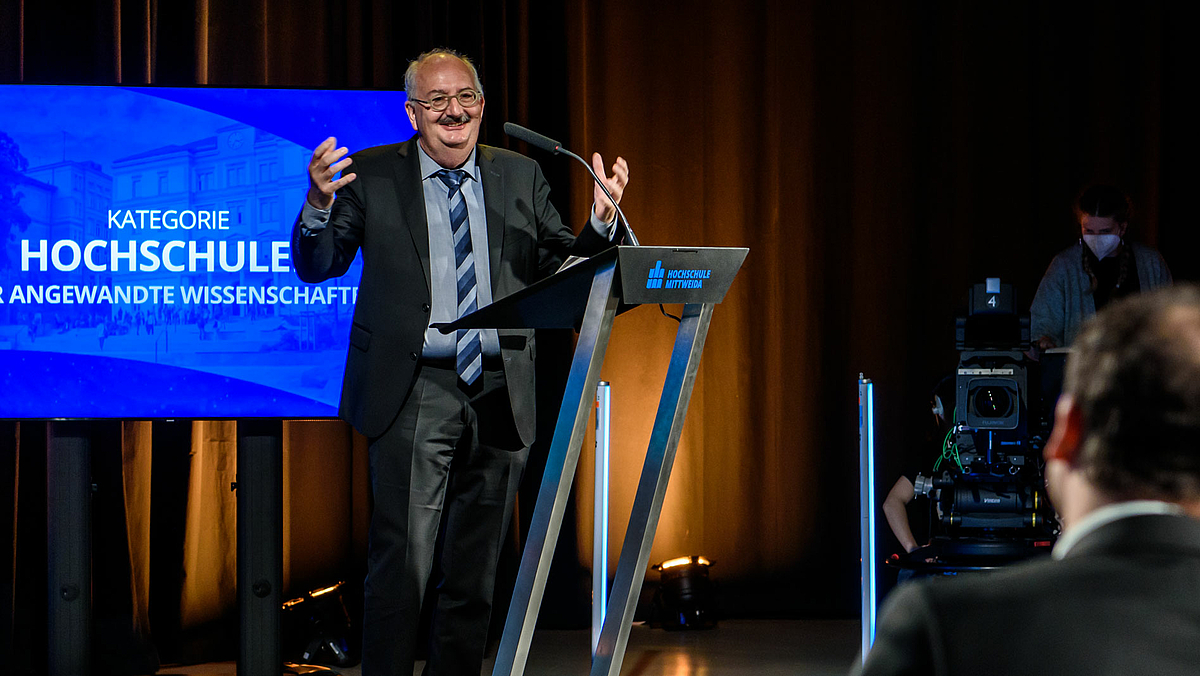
pixel 877 158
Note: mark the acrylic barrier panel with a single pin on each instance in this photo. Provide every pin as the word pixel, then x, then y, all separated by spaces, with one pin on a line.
pixel 145 256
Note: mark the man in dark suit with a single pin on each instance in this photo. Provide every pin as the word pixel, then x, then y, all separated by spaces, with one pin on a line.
pixel 1122 595
pixel 445 226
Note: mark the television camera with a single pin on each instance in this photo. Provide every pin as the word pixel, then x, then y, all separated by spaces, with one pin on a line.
pixel 987 480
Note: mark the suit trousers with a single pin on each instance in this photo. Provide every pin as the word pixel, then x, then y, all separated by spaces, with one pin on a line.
pixel 452 460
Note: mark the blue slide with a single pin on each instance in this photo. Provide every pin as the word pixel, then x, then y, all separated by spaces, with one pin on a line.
pixel 145 267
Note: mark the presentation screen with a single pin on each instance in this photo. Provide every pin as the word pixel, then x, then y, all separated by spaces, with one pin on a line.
pixel 145 256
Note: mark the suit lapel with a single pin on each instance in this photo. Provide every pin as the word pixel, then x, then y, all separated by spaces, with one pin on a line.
pixel 493 199
pixel 412 202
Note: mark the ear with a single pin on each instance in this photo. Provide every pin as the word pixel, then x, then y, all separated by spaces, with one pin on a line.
pixel 412 114
pixel 1067 435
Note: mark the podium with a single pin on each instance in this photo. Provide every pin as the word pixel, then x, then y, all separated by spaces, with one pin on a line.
pixel 587 297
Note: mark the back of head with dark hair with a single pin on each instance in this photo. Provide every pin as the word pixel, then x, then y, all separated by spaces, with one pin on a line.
pixel 1135 375
pixel 1104 201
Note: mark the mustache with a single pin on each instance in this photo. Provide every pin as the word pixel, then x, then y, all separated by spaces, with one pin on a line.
pixel 454 119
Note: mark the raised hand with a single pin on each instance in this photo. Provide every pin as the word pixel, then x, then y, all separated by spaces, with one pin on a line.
pixel 616 183
pixel 321 170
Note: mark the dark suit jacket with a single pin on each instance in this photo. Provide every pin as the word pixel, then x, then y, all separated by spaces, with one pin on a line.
pixel 1125 600
pixel 383 212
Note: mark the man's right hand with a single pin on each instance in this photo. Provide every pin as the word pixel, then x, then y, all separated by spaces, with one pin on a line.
pixel 321 170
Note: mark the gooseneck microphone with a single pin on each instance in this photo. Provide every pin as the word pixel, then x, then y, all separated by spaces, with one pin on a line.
pixel 532 138
pixel 554 147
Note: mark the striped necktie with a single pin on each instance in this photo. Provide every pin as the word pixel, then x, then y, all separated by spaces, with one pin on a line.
pixel 468 358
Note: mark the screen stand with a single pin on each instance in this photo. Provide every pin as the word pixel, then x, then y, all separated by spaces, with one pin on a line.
pixel 68 547
pixel 259 489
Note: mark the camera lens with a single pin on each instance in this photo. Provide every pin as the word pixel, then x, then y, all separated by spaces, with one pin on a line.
pixel 992 402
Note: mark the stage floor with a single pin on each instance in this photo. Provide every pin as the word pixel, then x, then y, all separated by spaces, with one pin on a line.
pixel 735 648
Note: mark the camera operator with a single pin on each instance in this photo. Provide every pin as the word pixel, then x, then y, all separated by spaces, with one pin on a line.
pixel 895 509
pixel 1103 266
pixel 903 492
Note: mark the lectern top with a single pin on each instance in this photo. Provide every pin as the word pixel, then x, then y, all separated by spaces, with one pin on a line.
pixel 647 274
pixel 668 274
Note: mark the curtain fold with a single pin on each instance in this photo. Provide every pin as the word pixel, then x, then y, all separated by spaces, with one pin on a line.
pixel 209 594
pixel 137 470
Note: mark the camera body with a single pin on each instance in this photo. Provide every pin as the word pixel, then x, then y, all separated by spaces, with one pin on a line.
pixel 991 490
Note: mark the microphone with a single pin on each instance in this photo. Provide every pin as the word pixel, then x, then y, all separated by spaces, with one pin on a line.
pixel 554 147
pixel 532 138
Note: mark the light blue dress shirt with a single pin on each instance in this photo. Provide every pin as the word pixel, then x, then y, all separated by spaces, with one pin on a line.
pixel 442 273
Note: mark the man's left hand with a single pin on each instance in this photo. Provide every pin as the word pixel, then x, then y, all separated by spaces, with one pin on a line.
pixel 616 183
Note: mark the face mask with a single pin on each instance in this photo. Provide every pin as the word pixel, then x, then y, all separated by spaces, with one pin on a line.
pixel 1102 245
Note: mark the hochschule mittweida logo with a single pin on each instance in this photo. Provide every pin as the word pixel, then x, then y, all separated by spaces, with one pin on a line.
pixel 676 279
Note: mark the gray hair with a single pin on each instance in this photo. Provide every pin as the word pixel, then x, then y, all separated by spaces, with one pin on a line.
pixel 410 75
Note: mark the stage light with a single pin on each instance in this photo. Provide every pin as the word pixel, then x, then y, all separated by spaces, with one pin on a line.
pixel 322 592
pixel 682 561
pixel 685 593
pixel 316 628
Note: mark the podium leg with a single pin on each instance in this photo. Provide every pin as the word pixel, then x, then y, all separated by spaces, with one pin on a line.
pixel 652 487
pixel 560 473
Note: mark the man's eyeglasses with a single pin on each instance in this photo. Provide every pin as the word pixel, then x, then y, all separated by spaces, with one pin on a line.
pixel 439 102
